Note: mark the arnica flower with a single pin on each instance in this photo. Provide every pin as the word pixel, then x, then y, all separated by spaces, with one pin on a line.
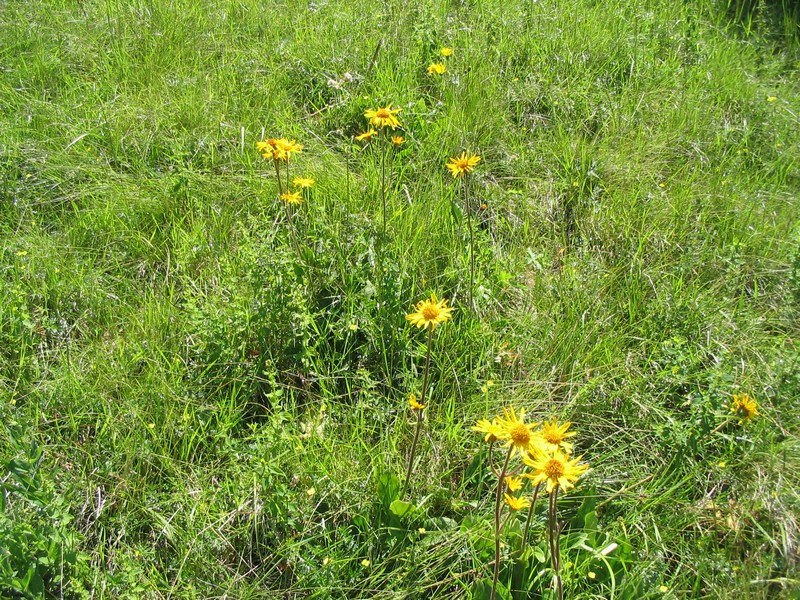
pixel 367 135
pixel 414 404
pixel 383 117
pixel 744 407
pixel 514 484
pixel 436 69
pixel 446 52
pixel 519 434
pixel 429 313
pixel 287 148
pixel 516 503
pixel 493 430
pixel 303 182
pixel 463 164
pixel 398 140
pixel 267 148
pixel 556 469
pixel 292 198
pixel 553 436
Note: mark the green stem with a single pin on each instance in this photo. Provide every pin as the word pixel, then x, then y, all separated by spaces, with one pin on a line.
pixel 498 505
pixel 471 242
pixel 530 515
pixel 555 548
pixel 278 177
pixel 411 458
pixel 383 176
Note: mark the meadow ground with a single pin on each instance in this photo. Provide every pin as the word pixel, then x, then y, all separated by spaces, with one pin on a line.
pixel 204 391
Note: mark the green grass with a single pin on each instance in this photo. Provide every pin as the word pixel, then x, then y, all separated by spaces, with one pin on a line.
pixel 175 377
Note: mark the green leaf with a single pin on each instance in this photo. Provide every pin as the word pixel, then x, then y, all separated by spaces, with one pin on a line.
pixel 401 508
pixel 388 488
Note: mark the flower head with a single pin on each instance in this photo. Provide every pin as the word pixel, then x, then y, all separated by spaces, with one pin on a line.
pixel 429 313
pixel 436 69
pixel 519 434
pixel 287 147
pixel 303 182
pixel 516 503
pixel 398 140
pixel 446 52
pixel 414 404
pixel 463 164
pixel 278 149
pixel 367 135
pixel 556 469
pixel 744 407
pixel 292 198
pixel 493 430
pixel 553 436
pixel 383 117
pixel 514 484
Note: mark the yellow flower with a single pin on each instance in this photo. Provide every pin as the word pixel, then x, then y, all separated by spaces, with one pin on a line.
pixel 414 404
pixel 553 436
pixel 514 484
pixel 278 149
pixel 446 52
pixel 398 140
pixel 519 434
pixel 744 407
pixel 303 182
pixel 383 117
pixel 493 430
pixel 771 98
pixel 310 491
pixel 366 135
pixel 267 148
pixel 463 164
pixel 430 313
pixel 287 147
pixel 365 563
pixel 556 469
pixel 292 198
pixel 516 503
pixel 436 69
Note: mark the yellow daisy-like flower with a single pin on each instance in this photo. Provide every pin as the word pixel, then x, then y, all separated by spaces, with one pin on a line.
pixel 446 52
pixel 367 135
pixel 514 484
pixel 292 198
pixel 492 429
pixel 383 117
pixel 414 404
pixel 516 503
pixel 287 147
pixel 744 407
pixel 553 436
pixel 429 313
pixel 520 436
pixel 556 469
pixel 303 182
pixel 463 164
pixel 436 69
pixel 267 148
pixel 398 140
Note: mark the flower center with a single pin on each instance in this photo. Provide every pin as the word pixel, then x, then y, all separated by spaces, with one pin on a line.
pixel 554 469
pixel 431 313
pixel 743 412
pixel 382 113
pixel 552 437
pixel 520 435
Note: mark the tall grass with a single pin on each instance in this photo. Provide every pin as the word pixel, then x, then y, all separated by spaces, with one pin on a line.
pixel 195 406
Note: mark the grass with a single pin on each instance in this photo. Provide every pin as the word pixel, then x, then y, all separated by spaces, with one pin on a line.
pixel 193 409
